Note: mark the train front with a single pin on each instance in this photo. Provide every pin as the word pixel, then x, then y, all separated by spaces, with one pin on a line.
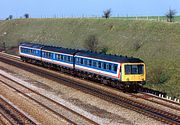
pixel 134 73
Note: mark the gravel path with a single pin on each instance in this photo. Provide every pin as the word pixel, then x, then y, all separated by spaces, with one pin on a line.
pixel 100 110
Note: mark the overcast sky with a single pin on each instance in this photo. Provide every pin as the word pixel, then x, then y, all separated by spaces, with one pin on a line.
pixel 68 8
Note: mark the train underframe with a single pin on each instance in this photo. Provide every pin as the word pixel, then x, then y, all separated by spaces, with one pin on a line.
pixel 124 86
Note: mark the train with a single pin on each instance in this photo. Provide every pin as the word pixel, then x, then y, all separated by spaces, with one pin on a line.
pixel 126 73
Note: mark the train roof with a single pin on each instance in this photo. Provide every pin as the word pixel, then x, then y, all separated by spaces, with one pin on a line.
pixel 102 56
pixel 109 57
pixel 60 49
pixel 31 45
pixel 48 48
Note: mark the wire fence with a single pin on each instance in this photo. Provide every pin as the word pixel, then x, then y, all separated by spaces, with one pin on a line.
pixel 83 16
pixel 148 18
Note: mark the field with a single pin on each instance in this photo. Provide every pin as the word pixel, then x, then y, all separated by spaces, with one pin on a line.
pixel 156 42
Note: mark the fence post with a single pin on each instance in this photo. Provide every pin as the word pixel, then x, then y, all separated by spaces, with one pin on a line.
pixel 158 19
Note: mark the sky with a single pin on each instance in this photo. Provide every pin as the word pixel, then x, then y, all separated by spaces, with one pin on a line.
pixel 86 8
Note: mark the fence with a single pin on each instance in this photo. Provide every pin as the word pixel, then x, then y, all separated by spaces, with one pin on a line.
pixel 149 18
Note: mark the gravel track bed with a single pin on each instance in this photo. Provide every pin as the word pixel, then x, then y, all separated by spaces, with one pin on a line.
pixel 111 113
pixel 4 121
pixel 33 109
pixel 55 107
pixel 14 114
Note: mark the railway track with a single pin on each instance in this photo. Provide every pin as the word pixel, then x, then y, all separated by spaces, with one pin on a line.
pixel 150 111
pixel 160 101
pixel 69 115
pixel 13 115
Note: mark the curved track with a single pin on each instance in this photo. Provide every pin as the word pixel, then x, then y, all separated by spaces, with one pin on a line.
pixel 150 111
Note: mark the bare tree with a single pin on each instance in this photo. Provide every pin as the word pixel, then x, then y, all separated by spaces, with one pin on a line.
pixel 26 15
pixel 170 15
pixel 10 17
pixel 107 13
pixel 91 43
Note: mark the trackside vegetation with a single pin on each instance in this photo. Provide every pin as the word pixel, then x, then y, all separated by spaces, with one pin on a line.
pixel 157 43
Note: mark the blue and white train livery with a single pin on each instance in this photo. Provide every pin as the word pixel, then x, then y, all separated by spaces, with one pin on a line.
pixel 119 71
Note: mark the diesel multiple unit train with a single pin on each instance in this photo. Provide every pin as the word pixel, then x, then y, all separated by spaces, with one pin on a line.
pixel 118 71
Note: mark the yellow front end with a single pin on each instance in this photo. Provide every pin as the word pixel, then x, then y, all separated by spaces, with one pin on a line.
pixel 133 72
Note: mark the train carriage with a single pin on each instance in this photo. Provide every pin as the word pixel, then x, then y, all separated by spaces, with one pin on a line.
pixel 120 71
pixel 58 56
pixel 30 51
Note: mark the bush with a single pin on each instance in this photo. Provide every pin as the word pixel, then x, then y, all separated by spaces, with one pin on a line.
pixel 104 49
pixel 136 46
pixel 158 75
pixel 91 43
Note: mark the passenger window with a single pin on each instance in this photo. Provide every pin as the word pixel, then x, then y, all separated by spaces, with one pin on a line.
pixel 62 57
pixel 65 58
pixel 69 58
pixel 109 66
pixel 104 65
pixel 85 61
pixel 59 57
pixel 90 62
pixel 99 64
pixel 77 60
pixel 94 63
pixel 81 60
pixel 115 68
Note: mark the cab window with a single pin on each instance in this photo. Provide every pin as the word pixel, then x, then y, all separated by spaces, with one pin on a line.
pixel 141 69
pixel 134 69
pixel 127 69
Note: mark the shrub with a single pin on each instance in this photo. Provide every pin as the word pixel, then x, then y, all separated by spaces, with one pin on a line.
pixel 91 43
pixel 136 46
pixel 158 75
pixel 104 49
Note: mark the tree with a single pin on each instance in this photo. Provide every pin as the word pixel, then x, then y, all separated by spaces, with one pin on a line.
pixel 170 15
pixel 10 17
pixel 26 15
pixel 107 13
pixel 91 43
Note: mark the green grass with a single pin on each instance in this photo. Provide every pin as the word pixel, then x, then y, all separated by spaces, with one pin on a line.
pixel 159 41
